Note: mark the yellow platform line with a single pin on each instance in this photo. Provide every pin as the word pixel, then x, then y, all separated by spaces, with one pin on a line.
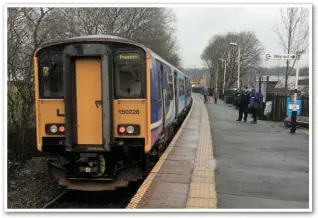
pixel 202 192
pixel 145 185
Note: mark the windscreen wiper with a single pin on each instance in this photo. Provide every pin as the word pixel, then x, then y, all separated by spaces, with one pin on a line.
pixel 52 68
pixel 133 72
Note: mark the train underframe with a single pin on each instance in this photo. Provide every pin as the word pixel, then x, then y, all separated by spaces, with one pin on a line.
pixel 97 171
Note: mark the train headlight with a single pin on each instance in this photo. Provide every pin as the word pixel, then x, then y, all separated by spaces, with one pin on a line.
pixel 130 129
pixel 53 129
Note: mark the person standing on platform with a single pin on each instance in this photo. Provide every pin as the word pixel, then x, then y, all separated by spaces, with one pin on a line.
pixel 243 104
pixel 216 95
pixel 205 94
pixel 255 104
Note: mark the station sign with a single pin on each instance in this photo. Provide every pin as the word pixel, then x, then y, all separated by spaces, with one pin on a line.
pixel 280 57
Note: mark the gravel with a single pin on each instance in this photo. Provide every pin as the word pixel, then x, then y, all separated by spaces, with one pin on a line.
pixel 30 185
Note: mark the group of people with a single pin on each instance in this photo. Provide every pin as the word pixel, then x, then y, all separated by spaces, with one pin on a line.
pixel 247 99
pixel 207 96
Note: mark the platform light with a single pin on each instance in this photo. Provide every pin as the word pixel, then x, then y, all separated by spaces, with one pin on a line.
pixel 238 63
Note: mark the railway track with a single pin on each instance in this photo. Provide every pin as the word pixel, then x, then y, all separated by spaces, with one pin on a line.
pixel 118 198
pixel 54 200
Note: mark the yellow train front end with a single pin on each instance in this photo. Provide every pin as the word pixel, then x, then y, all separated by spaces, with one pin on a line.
pixel 92 110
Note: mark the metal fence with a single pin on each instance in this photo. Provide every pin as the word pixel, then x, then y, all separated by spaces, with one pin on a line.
pixel 279 107
pixel 305 106
pixel 278 104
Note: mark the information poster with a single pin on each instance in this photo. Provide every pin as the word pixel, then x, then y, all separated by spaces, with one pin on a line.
pixel 289 106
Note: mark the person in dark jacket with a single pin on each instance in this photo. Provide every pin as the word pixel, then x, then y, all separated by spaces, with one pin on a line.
pixel 216 95
pixel 255 103
pixel 243 104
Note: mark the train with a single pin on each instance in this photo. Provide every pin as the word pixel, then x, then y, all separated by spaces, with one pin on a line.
pixel 106 108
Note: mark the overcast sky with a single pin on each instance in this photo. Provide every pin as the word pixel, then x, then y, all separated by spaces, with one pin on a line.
pixel 195 26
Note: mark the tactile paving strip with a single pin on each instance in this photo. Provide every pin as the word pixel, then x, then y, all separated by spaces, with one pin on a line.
pixel 202 193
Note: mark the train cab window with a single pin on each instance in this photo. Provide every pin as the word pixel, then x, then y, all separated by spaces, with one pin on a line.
pixel 129 73
pixel 51 75
pixel 128 81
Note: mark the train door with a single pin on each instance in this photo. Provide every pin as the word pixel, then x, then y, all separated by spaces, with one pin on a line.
pixel 185 91
pixel 175 82
pixel 88 101
pixel 87 96
pixel 170 96
pixel 163 94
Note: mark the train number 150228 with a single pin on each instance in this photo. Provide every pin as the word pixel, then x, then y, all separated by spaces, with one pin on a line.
pixel 128 111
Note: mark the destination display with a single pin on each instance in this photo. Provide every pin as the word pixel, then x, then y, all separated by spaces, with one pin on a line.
pixel 128 57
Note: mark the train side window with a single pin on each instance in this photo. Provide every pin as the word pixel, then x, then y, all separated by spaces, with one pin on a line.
pixel 181 87
pixel 189 87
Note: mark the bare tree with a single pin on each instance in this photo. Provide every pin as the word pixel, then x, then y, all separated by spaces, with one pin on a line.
pixel 26 32
pixel 292 32
pixel 150 26
pixel 219 47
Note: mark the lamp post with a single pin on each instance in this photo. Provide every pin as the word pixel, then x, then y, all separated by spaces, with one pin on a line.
pixel 294 107
pixel 223 60
pixel 238 63
pixel 217 75
pixel 249 74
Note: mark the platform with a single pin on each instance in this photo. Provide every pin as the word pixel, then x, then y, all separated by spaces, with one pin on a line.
pixel 184 175
pixel 259 165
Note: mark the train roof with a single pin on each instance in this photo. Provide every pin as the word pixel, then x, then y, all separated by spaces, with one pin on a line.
pixel 110 38
pixel 94 38
pixel 164 61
